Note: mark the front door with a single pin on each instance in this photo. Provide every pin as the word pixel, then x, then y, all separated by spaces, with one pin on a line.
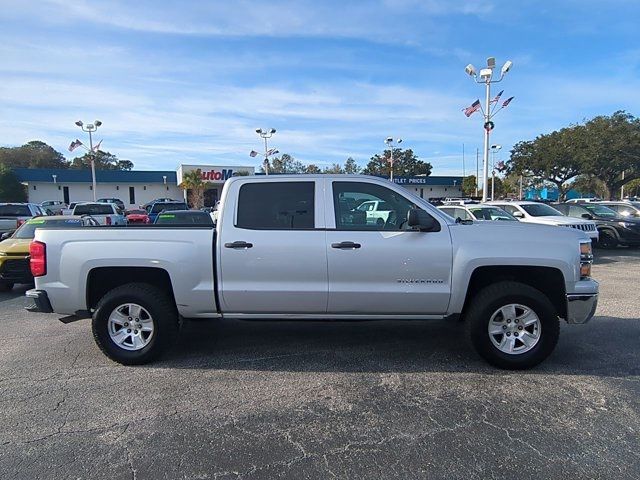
pixel 272 248
pixel 382 267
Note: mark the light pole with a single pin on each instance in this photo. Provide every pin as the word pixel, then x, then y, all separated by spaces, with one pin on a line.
pixel 486 77
pixel 90 128
pixel 265 134
pixel 390 143
pixel 494 149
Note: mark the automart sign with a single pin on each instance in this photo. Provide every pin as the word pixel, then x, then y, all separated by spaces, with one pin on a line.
pixel 216 175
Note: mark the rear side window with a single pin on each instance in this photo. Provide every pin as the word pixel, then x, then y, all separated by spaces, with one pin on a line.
pixel 93 209
pixel 14 211
pixel 276 206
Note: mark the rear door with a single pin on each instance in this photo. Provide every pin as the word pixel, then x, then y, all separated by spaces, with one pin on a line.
pixel 383 268
pixel 271 247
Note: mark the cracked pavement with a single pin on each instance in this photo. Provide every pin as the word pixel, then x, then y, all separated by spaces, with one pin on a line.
pixel 253 400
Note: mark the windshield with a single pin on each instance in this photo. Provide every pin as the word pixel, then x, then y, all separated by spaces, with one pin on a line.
pixel 28 229
pixel 182 218
pixel 600 210
pixel 14 211
pixel 541 210
pixel 491 213
pixel 159 207
pixel 93 209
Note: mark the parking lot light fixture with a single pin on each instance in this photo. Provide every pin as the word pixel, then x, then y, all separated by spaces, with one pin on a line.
pixel 90 129
pixel 487 78
pixel 265 135
pixel 391 144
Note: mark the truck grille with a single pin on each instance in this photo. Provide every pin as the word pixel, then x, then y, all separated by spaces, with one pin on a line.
pixel 16 270
pixel 585 227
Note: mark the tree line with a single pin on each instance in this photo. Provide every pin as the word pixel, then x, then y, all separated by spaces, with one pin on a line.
pixel 597 156
pixel 37 154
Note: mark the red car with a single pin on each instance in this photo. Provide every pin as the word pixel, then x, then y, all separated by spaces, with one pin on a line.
pixel 136 216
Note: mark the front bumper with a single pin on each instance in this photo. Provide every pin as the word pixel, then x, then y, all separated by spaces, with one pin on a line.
pixel 40 303
pixel 583 301
pixel 16 270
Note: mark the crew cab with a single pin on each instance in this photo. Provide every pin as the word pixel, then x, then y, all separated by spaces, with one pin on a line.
pixel 292 247
pixel 543 214
pixel 12 215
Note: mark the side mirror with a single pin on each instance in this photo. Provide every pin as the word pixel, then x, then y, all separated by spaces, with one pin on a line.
pixel 5 236
pixel 518 214
pixel 422 221
pixel 588 216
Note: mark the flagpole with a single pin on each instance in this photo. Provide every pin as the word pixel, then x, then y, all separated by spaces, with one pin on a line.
pixel 487 117
pixel 477 170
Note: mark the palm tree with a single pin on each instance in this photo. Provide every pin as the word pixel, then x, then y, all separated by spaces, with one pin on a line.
pixel 194 185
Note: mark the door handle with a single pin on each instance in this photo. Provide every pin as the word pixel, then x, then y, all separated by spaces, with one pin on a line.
pixel 238 245
pixel 346 245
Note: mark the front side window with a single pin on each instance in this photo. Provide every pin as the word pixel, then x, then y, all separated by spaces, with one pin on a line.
pixel 390 214
pixel 601 211
pixel 540 210
pixel 276 206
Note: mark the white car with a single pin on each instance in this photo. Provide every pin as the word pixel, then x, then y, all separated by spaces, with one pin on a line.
pixel 478 211
pixel 104 213
pixel 543 214
pixel 377 211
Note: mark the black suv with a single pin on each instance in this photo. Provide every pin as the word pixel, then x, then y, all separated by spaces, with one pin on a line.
pixel 614 229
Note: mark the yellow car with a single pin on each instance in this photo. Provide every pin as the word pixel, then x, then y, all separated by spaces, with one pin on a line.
pixel 14 251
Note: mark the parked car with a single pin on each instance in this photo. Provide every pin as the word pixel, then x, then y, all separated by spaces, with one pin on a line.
pixel 136 216
pixel 184 217
pixel 56 206
pixel 584 200
pixel 12 215
pixel 115 201
pixel 543 214
pixel 475 211
pixel 614 229
pixel 285 249
pixel 69 210
pixel 158 207
pixel 148 205
pixel 376 212
pixel 626 208
pixel 14 251
pixel 104 213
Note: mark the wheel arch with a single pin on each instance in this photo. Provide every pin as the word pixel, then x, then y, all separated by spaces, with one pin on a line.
pixel 548 280
pixel 101 280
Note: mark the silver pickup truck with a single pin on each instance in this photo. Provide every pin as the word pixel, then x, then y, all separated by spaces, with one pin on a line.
pixel 297 247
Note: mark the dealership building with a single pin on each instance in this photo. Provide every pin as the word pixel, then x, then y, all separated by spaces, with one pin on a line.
pixel 138 187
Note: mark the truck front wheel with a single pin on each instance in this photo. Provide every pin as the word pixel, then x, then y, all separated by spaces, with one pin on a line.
pixel 512 325
pixel 134 323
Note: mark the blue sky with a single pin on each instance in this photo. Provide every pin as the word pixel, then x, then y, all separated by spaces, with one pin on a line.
pixel 190 81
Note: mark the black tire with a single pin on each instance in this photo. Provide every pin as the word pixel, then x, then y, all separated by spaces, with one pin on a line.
pixel 6 286
pixel 607 240
pixel 493 297
pixel 159 305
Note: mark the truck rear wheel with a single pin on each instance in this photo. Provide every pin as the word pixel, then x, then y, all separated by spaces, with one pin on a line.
pixel 512 325
pixel 134 323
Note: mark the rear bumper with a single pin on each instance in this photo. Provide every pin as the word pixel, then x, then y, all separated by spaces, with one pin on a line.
pixel 41 303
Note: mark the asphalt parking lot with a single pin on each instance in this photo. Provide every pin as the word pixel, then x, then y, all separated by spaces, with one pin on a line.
pixel 321 400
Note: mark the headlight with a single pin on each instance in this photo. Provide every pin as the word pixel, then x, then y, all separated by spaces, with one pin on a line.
pixel 625 224
pixel 586 259
pixel 3 254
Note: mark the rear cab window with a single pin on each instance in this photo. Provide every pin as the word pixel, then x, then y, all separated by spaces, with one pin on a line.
pixel 93 209
pixel 15 211
pixel 276 206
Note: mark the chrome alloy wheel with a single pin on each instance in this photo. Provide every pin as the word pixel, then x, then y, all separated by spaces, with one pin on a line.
pixel 514 329
pixel 130 326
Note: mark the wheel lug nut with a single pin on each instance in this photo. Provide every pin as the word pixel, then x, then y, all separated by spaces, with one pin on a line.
pixel 508 334
pixel 129 318
pixel 520 327
pixel 136 332
pixel 126 324
pixel 504 327
pixel 137 319
pixel 128 330
pixel 508 321
pixel 516 320
pixel 516 334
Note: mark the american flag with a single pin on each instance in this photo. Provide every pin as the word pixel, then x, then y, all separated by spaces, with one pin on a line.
pixel 507 101
pixel 475 106
pixel 253 153
pixel 75 144
pixel 96 147
pixel 497 97
pixel 500 166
